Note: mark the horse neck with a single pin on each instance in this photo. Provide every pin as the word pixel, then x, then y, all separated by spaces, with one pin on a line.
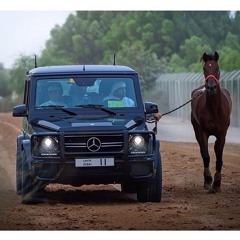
pixel 213 101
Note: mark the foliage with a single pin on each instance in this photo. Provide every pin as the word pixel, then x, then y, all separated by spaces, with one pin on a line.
pixel 145 62
pixel 18 73
pixel 151 42
pixel 4 82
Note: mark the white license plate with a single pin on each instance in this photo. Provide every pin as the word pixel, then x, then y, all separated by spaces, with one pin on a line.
pixel 94 162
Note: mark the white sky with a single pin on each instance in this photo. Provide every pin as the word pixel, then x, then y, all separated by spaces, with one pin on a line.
pixel 25 25
pixel 25 32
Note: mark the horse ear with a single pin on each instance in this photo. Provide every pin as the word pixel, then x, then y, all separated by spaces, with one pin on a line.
pixel 216 56
pixel 204 57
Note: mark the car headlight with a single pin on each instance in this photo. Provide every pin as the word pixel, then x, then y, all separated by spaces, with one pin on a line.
pixel 48 144
pixel 137 144
pixel 43 146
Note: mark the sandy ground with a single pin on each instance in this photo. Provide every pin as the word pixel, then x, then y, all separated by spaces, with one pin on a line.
pixel 185 204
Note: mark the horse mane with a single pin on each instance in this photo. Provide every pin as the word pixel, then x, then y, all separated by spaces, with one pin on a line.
pixel 207 57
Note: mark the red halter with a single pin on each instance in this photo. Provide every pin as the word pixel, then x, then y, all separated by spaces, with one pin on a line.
pixel 216 78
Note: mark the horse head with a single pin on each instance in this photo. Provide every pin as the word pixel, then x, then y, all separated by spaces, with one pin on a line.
pixel 211 72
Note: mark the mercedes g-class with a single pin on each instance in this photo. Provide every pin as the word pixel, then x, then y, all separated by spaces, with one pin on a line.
pixel 86 124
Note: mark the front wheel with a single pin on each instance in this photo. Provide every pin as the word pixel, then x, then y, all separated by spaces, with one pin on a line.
pixel 30 185
pixel 151 190
pixel 18 172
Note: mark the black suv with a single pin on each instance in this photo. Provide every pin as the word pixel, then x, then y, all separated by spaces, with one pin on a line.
pixel 86 124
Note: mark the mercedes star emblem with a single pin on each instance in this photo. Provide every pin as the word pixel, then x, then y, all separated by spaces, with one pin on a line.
pixel 93 144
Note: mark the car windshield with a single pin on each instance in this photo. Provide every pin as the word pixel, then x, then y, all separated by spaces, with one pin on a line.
pixel 110 92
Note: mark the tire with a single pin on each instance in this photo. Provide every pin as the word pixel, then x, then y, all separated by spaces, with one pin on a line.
pixel 30 185
pixel 151 191
pixel 18 172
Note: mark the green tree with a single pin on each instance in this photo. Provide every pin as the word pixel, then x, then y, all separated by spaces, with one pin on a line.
pixel 191 51
pixel 235 23
pixel 79 40
pixel 5 89
pixel 18 73
pixel 229 53
pixel 229 59
pixel 178 38
pixel 144 62
pixel 176 64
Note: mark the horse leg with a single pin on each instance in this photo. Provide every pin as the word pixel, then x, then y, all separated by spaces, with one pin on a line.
pixel 207 178
pixel 203 143
pixel 206 173
pixel 218 148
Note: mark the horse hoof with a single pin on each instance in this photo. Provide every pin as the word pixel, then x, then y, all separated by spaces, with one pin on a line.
pixel 207 181
pixel 207 186
pixel 32 201
pixel 211 191
pixel 214 190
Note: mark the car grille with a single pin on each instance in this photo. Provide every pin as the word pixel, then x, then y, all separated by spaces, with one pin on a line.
pixel 85 144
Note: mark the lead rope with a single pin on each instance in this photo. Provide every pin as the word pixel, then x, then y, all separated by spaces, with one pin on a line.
pixel 156 121
pixel 200 92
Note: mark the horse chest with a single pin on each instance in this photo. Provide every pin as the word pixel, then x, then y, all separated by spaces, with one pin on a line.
pixel 210 125
pixel 211 128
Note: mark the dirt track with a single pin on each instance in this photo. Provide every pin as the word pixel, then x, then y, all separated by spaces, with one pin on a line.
pixel 185 204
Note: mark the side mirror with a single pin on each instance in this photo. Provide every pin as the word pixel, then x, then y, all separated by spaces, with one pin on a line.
pixel 151 107
pixel 20 111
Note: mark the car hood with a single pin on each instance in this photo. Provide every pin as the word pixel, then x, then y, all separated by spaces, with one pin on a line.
pixel 72 124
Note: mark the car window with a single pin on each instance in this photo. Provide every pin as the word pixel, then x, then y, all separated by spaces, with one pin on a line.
pixel 111 92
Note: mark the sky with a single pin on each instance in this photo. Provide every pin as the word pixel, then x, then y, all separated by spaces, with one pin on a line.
pixel 25 25
pixel 26 32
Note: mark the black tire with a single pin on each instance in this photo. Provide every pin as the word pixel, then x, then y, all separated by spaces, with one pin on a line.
pixel 18 172
pixel 30 185
pixel 151 191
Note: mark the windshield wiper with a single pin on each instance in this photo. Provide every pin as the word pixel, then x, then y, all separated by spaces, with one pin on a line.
pixel 96 106
pixel 58 107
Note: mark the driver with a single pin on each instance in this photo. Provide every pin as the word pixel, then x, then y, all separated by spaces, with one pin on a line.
pixel 55 95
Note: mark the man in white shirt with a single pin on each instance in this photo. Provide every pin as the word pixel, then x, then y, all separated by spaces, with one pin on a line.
pixel 118 92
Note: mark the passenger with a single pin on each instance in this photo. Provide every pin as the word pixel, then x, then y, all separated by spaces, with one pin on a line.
pixel 55 92
pixel 76 94
pixel 118 92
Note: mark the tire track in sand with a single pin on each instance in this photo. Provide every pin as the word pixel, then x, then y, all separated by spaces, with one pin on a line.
pixel 7 162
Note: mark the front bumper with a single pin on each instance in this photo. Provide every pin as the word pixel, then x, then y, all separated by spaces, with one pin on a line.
pixel 127 166
pixel 67 173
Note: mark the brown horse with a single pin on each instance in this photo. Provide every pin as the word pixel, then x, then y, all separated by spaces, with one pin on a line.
pixel 210 115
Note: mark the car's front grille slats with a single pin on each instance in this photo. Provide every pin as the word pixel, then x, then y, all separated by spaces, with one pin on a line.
pixel 79 144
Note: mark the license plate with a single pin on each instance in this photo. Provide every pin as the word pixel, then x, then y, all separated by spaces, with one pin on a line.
pixel 94 162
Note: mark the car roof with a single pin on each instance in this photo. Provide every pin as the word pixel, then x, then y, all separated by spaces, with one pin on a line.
pixel 80 69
